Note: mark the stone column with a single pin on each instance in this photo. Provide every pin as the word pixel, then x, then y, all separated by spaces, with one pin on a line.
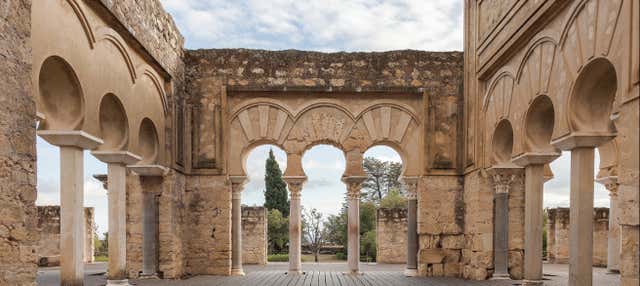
pixel 613 240
pixel 581 217
pixel 117 162
pixel 533 212
pixel 295 184
pixel 353 225
pixel 237 185
pixel 410 185
pixel 72 232
pixel 150 231
pixel 502 179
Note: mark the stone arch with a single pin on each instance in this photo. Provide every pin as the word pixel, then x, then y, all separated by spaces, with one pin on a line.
pixel 111 36
pixel 538 123
pixel 534 73
pixel 61 98
pixel 249 148
pixel 502 143
pixel 114 124
pixel 157 83
pixel 497 101
pixel 319 123
pixel 148 143
pixel 82 18
pixel 591 100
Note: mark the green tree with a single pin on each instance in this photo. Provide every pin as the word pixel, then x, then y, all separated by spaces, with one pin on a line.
pixel 275 195
pixel 393 199
pixel 368 245
pixel 278 231
pixel 382 177
pixel 367 216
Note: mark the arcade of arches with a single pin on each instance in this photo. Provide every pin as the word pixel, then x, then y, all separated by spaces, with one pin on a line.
pixel 475 130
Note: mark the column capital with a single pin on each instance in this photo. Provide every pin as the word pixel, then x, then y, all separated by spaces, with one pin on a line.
pixel 149 170
pixel 295 184
pixel 237 183
pixel 410 186
pixel 116 157
pixel 503 176
pixel 354 184
pixel 535 158
pixel 611 183
pixel 582 139
pixel 74 138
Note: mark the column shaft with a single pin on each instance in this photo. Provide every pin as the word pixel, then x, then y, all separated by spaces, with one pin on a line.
pixel 581 217
pixel 295 233
pixel 412 235
pixel 533 224
pixel 613 241
pixel 353 235
pixel 71 216
pixel 501 239
pixel 117 222
pixel 149 234
pixel 236 233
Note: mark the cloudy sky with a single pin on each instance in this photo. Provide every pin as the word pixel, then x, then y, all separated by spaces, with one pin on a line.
pixel 321 25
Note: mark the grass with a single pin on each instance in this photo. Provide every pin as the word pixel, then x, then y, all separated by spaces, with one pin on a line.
pixel 101 258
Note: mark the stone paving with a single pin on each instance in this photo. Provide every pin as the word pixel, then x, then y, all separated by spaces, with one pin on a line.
pixel 326 274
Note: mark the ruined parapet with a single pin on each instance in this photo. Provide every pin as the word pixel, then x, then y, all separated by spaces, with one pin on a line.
pixel 391 235
pixel 254 235
pixel 558 235
pixel 48 247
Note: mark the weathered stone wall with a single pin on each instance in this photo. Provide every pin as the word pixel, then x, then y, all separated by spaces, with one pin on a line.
pixel 18 215
pixel 516 228
pixel 440 226
pixel 48 246
pixel 254 235
pixel 207 225
pixel 477 255
pixel 391 235
pixel 558 235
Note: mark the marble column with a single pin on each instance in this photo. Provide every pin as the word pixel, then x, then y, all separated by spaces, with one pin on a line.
pixel 237 185
pixel 502 178
pixel 72 232
pixel 295 184
pixel 117 162
pixel 410 186
pixel 354 184
pixel 533 164
pixel 613 240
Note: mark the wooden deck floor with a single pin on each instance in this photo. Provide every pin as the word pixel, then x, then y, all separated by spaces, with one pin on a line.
pixel 316 278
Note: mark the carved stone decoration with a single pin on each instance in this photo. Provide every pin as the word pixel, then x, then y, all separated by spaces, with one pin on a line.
pixel 502 177
pixel 237 184
pixel 321 124
pixel 410 187
pixel 295 184
pixel 354 185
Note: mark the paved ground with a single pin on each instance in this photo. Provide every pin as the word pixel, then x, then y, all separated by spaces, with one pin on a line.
pixel 324 274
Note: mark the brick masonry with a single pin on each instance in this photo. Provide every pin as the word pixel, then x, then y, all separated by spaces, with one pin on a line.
pixel 391 235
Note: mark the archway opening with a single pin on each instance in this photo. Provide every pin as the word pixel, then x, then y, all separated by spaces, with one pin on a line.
pixel 60 99
pixel 592 100
pixel 324 205
pixel 265 198
pixel 502 143
pixel 114 126
pixel 539 125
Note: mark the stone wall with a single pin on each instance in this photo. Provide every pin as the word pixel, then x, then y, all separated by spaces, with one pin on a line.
pixel 477 255
pixel 440 226
pixel 48 246
pixel 254 235
pixel 391 235
pixel 18 215
pixel 558 235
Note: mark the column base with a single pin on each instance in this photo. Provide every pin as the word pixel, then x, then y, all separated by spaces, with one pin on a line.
pixel 500 276
pixel 532 283
pixel 123 282
pixel 353 272
pixel 237 272
pixel 295 272
pixel 411 272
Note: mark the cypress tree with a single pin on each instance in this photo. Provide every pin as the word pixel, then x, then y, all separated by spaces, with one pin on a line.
pixel 275 195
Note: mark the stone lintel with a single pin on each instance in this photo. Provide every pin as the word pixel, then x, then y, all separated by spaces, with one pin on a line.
pixel 535 158
pixel 116 157
pixel 582 139
pixel 73 138
pixel 149 170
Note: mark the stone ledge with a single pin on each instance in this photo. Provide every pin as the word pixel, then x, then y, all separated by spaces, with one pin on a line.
pixel 73 138
pixel 149 170
pixel 582 139
pixel 123 157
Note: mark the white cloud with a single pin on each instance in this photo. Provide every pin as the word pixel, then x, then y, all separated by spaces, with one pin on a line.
pixel 324 25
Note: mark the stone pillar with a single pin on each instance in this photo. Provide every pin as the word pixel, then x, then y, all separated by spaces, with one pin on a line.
pixel 613 239
pixel 533 164
pixel 72 232
pixel 150 228
pixel 353 221
pixel 295 184
pixel 237 185
pixel 410 185
pixel 502 179
pixel 117 162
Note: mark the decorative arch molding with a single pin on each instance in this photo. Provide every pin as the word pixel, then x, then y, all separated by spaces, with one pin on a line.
pixel 263 122
pixel 88 31
pixel 497 101
pixel 146 71
pixel 110 35
pixel 534 73
pixel 260 101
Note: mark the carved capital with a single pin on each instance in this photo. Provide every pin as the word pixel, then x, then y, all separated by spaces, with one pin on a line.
pixel 237 185
pixel 502 177
pixel 295 184
pixel 354 185
pixel 410 187
pixel 611 183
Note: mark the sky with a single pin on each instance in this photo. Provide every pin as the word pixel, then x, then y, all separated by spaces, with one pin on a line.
pixel 320 25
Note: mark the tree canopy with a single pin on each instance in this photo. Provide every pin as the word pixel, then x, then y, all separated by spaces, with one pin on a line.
pixel 382 177
pixel 275 195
